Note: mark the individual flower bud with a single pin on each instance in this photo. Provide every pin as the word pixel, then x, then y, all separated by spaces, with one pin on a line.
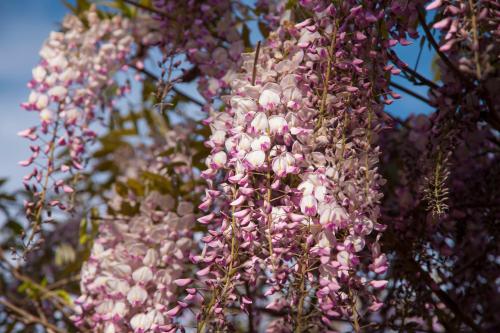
pixel 71 115
pixel 343 257
pixel 39 73
pixel 255 159
pixel 142 275
pixel 47 115
pixel 218 137
pixel 270 96
pixel 277 125
pixel 182 282
pixel 137 295
pixel 284 164
pixel 259 123
pixel 219 160
pixel 119 311
pixel 42 102
pixel 263 142
pixel 59 62
pixel 58 92
pixel 308 205
pixel 174 311
pixel 245 142
pixel 243 105
pixel 442 23
pixel 357 243
pixel 435 4
pixel 378 284
pixel 141 323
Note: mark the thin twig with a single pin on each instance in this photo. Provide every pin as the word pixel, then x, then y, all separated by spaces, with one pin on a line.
pixel 174 88
pixel 28 318
pixel 331 60
pixel 475 36
pixel 147 8
pixel 410 92
pixel 414 74
pixel 446 60
pixel 446 299
pixel 255 61
pixel 40 203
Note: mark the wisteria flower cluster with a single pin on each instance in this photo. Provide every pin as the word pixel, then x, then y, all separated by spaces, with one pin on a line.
pixel 131 278
pixel 298 203
pixel 300 189
pixel 75 78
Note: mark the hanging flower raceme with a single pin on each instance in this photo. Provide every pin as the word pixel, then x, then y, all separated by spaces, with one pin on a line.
pixel 75 78
pixel 207 35
pixel 132 279
pixel 458 240
pixel 135 276
pixel 293 175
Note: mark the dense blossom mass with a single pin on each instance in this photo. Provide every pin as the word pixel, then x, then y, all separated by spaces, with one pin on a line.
pixel 132 275
pixel 294 176
pixel 294 203
pixel 75 78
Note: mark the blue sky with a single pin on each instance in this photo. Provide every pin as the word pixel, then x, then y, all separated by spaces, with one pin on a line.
pixel 25 24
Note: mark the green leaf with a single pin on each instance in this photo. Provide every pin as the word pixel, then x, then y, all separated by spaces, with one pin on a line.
pixel 129 210
pixel 121 189
pixel 135 186
pixel 167 152
pixel 83 231
pixel 82 5
pixel 16 228
pixel 291 4
pixel 64 295
pixel 126 10
pixel 148 89
pixel 245 35
pixel 159 183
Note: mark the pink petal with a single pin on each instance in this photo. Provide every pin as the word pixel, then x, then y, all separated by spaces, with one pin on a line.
pixel 182 282
pixel 435 4
pixel 204 271
pixel 378 284
pixel 26 162
pixel 68 189
pixel 173 312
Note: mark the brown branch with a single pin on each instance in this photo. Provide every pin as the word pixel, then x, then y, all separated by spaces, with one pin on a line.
pixel 255 60
pixel 28 318
pixel 186 77
pixel 492 119
pixel 251 326
pixel 446 60
pixel 475 37
pixel 410 92
pixel 413 73
pixel 445 298
pixel 148 9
